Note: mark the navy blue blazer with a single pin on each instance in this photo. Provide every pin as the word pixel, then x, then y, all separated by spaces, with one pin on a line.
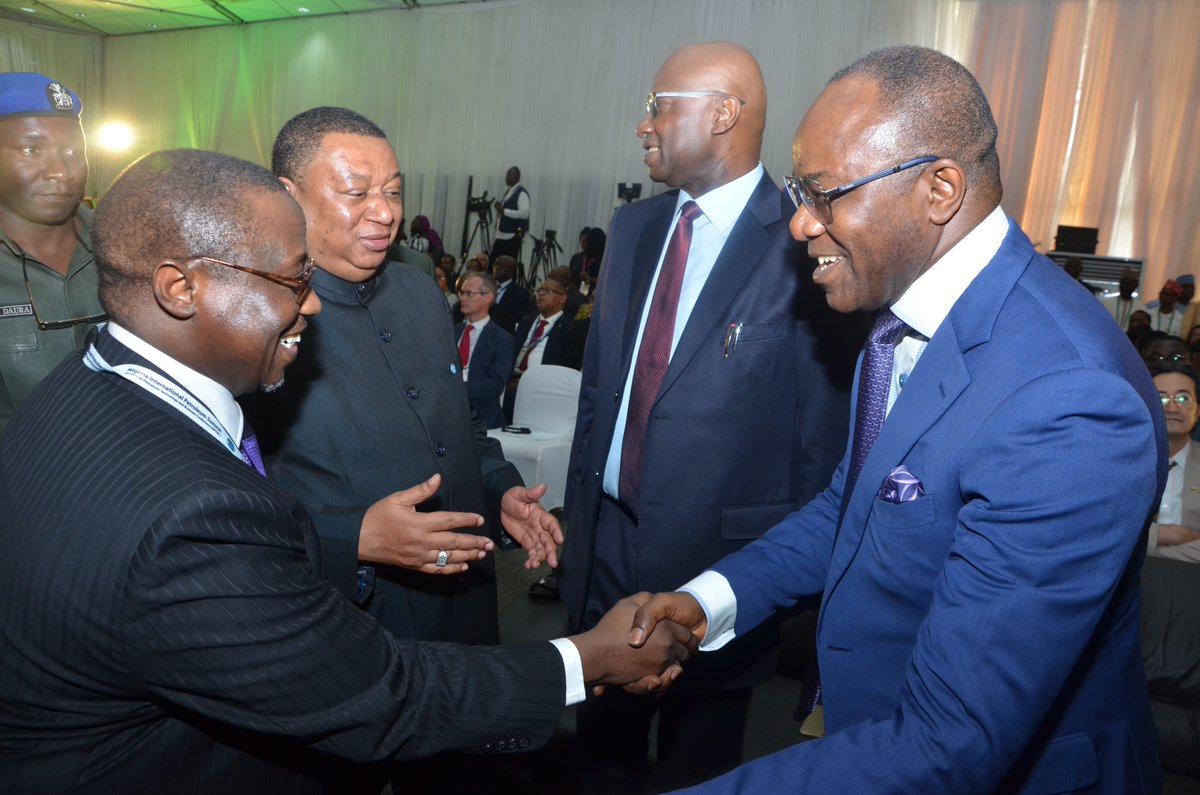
pixel 735 442
pixel 490 367
pixel 983 637
pixel 560 346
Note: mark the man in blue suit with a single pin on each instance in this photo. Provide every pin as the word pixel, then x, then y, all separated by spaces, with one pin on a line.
pixel 485 349
pixel 980 562
pixel 747 421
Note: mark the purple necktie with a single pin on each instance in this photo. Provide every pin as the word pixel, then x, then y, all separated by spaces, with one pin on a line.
pixel 251 453
pixel 874 383
pixel 654 354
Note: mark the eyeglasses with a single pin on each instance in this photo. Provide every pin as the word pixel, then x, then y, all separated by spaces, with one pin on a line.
pixel 653 97
pixel 473 293
pixel 1181 400
pixel 815 199
pixel 52 325
pixel 1165 357
pixel 300 285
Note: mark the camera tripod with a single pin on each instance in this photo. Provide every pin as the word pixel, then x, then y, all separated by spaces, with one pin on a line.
pixel 545 257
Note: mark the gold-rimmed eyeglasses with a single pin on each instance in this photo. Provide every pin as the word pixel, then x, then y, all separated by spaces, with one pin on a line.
pixel 300 285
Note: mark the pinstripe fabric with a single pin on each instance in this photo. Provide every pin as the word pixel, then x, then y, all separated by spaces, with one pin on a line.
pixel 164 624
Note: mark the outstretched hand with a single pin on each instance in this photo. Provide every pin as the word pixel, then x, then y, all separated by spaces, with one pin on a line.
pixel 531 525
pixel 393 532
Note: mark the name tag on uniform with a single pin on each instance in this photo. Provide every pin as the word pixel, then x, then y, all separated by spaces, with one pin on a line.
pixel 16 310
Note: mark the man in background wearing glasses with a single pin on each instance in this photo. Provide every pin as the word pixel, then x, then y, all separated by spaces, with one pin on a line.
pixel 48 295
pixel 484 349
pixel 1175 531
pixel 714 402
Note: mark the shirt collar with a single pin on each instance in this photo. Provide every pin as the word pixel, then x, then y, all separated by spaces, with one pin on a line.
pixel 341 291
pixel 217 398
pixel 478 324
pixel 722 206
pixel 550 321
pixel 929 299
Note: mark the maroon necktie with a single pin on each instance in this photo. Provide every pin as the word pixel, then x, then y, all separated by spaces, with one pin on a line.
pixel 533 341
pixel 464 346
pixel 654 354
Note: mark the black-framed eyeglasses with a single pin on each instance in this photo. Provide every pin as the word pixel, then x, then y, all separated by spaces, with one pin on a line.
pixel 815 199
pixel 300 285
pixel 653 97
pixel 52 325
pixel 1181 400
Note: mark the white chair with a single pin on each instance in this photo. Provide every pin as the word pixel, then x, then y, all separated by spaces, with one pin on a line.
pixel 547 401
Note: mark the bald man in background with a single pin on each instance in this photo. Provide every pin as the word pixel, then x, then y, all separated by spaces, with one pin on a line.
pixel 693 432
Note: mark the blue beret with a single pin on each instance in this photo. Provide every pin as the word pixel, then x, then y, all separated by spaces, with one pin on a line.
pixel 1186 278
pixel 31 94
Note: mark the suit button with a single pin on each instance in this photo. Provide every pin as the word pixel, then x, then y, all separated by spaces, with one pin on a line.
pixel 385 335
pixel 440 450
pixel 412 393
pixel 596 474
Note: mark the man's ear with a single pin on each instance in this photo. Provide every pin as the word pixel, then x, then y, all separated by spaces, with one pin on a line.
pixel 175 288
pixel 728 113
pixel 946 182
pixel 291 186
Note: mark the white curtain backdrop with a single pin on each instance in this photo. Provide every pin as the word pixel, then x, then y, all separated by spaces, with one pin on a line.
pixel 1096 99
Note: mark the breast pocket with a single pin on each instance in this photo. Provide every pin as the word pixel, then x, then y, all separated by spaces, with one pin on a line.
pixel 15 344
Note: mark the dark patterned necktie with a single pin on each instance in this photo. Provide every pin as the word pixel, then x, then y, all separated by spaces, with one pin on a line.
pixel 523 365
pixel 250 451
pixel 874 383
pixel 654 354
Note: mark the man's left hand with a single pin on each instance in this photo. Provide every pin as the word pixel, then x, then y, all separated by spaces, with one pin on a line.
pixel 531 525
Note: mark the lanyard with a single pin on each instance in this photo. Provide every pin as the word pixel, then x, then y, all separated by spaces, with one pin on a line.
pixel 169 393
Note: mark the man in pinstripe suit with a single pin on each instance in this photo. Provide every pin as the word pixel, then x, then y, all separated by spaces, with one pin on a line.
pixel 164 626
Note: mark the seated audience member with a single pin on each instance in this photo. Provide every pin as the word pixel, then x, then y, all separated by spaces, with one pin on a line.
pixel 1123 304
pixel 1165 315
pixel 1138 327
pixel 1175 532
pixel 1073 266
pixel 47 276
pixel 485 349
pixel 545 338
pixel 585 265
pixel 1158 348
pixel 422 237
pixel 512 300
pixel 444 277
pixel 575 299
pixel 198 647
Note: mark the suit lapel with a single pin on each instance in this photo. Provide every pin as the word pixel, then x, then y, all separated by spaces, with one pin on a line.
pixel 741 254
pixel 935 384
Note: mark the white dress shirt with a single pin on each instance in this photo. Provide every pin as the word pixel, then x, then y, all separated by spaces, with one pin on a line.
pixel 924 306
pixel 721 208
pixel 1170 510
pixel 475 332
pixel 220 402
pixel 522 210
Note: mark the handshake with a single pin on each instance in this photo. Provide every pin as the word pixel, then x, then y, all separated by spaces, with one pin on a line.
pixel 642 643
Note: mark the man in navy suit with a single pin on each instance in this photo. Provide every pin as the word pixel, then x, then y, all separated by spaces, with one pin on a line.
pixel 747 424
pixel 547 337
pixel 164 619
pixel 485 350
pixel 980 546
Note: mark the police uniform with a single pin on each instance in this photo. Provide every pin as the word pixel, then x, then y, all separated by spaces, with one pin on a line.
pixel 28 353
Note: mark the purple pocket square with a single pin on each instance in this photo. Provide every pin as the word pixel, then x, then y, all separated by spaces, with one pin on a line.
pixel 901 486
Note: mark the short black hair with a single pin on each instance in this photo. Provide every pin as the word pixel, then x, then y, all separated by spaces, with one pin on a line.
pixel 939 104
pixel 179 203
pixel 1183 368
pixel 301 137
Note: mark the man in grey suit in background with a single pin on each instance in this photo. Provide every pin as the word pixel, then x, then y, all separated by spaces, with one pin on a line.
pixel 376 404
pixel 164 623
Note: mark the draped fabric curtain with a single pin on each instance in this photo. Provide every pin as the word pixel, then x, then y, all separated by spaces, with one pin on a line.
pixel 1096 99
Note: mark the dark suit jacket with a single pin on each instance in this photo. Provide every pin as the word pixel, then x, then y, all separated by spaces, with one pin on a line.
pixel 514 304
pixel 561 347
pixel 491 364
pixel 734 443
pixel 983 637
pixel 374 404
pixel 165 626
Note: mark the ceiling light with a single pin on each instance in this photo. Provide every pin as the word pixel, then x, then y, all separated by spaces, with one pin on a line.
pixel 114 136
pixel 28 10
pixel 302 9
pixel 152 25
pixel 80 14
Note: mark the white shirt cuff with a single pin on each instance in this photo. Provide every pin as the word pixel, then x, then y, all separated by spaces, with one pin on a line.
pixel 573 668
pixel 719 603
